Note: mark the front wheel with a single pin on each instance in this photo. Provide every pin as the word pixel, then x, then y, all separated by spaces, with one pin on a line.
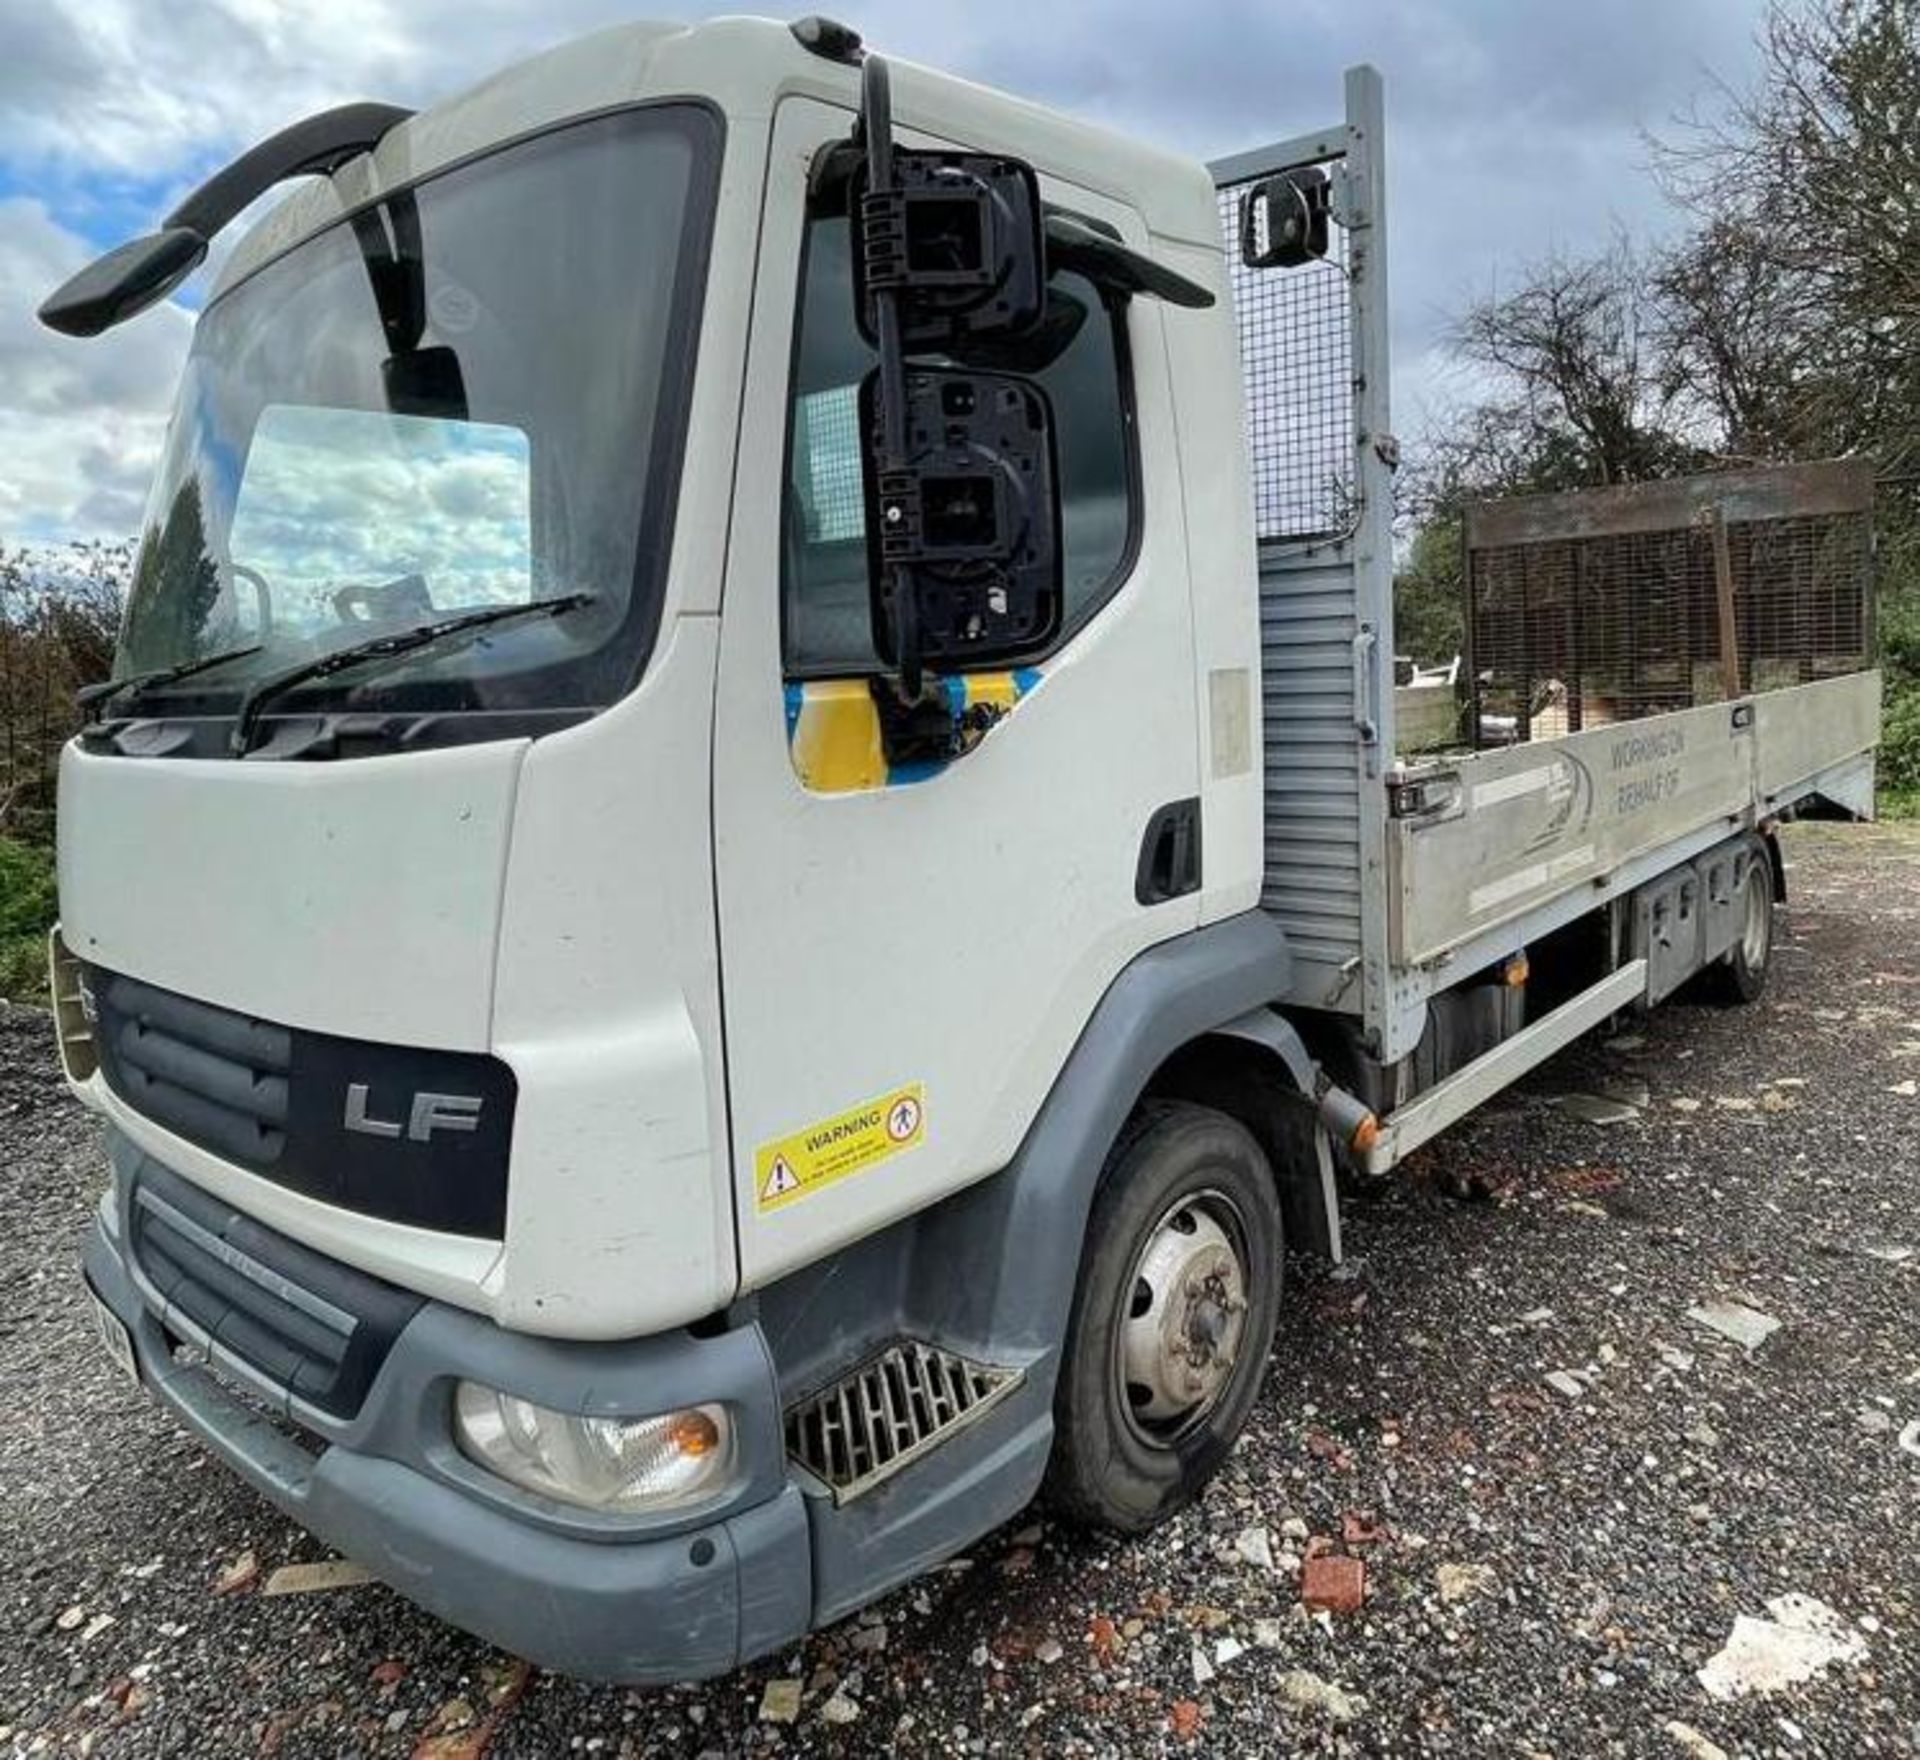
pixel 1172 1321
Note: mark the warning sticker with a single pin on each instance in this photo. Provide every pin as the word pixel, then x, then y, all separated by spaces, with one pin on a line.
pixel 789 1168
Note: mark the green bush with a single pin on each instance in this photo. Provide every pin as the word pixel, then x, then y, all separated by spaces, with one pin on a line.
pixel 1899 769
pixel 27 907
pixel 1900 637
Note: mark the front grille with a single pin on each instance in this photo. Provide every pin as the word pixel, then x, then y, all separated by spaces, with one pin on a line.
pixel 241 1394
pixel 306 1323
pixel 215 1077
pixel 330 1117
pixel 888 1412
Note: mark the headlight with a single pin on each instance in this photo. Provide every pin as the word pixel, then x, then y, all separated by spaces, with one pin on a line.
pixel 624 1465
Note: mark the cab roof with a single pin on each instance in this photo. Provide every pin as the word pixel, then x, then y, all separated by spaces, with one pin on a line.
pixel 745 66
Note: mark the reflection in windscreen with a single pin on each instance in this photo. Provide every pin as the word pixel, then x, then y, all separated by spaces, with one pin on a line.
pixel 350 515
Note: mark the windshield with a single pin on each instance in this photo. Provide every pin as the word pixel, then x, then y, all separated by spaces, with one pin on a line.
pixel 468 396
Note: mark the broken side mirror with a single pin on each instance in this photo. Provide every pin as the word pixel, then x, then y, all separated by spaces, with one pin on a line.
pixel 963 512
pixel 958 239
pixel 968 527
pixel 1284 219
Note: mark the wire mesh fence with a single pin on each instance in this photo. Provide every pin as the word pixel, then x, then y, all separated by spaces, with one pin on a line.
pixel 1607 605
pixel 1296 351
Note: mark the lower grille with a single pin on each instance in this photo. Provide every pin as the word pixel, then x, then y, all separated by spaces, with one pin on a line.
pixel 192 1359
pixel 310 1326
pixel 215 1077
pixel 885 1414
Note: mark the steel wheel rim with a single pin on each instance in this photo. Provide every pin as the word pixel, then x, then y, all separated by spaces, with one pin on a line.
pixel 1183 1317
pixel 1756 937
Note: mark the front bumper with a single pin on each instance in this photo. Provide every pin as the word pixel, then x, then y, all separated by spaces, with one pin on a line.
pixel 640 1601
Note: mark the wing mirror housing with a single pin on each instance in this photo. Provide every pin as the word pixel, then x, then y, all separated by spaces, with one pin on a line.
pixel 128 279
pixel 969 522
pixel 963 499
pixel 958 239
pixel 1285 219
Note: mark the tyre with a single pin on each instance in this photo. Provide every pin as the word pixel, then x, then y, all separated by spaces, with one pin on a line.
pixel 1172 1320
pixel 1740 974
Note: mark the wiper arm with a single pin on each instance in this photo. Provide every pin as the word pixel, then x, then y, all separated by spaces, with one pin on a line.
pixel 140 682
pixel 400 641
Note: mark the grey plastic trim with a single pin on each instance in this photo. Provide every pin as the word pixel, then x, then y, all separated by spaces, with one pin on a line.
pixel 991 1272
pixel 1023 1229
pixel 674 1603
pixel 1277 1034
pixel 1312 1216
pixel 404 1413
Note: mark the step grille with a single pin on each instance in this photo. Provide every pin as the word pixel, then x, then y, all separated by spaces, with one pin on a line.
pixel 886 1413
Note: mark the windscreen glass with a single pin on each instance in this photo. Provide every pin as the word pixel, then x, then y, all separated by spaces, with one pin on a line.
pixel 469 396
pixel 332 499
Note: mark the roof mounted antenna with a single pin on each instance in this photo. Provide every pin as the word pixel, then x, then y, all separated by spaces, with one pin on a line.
pixel 135 275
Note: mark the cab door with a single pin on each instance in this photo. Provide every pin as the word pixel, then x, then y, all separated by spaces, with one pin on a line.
pixel 909 952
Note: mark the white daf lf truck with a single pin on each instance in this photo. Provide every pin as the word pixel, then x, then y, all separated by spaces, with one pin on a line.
pixel 744 869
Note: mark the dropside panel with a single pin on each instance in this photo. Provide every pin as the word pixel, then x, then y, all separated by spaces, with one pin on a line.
pixel 1800 734
pixel 1509 831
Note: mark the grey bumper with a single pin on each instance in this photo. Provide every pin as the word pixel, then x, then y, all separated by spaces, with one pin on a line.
pixel 640 1604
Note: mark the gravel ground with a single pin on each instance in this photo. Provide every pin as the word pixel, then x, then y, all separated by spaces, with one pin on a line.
pixel 1546 1570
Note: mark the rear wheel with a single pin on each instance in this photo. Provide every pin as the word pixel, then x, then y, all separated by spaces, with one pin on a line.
pixel 1740 974
pixel 1172 1321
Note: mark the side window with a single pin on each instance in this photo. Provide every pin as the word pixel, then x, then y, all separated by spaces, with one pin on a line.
pixel 828 631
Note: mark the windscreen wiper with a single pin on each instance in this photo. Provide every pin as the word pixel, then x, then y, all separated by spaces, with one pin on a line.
pixel 399 641
pixel 140 682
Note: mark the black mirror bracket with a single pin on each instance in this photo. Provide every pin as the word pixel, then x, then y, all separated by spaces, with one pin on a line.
pixel 896 488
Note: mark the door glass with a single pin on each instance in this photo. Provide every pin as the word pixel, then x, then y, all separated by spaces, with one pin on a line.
pixel 828 626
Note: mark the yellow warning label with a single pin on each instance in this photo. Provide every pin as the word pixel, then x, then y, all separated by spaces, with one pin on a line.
pixel 789 1168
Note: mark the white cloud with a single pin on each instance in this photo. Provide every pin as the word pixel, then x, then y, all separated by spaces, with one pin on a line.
pixel 83 420
pixel 1513 127
pixel 332 496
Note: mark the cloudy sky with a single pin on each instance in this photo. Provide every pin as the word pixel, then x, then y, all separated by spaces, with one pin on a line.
pixel 1514 127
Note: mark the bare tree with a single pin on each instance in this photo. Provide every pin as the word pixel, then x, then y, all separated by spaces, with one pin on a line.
pixel 1573 353
pixel 1812 178
pixel 1736 345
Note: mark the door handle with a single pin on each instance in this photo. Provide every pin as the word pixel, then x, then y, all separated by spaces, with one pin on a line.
pixel 1366 712
pixel 1169 865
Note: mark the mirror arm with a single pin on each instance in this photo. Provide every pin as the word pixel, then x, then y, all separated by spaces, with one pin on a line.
pixel 898 499
pixel 316 147
pixel 135 275
pixel 1115 268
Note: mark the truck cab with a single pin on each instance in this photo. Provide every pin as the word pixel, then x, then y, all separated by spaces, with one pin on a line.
pixel 548 1068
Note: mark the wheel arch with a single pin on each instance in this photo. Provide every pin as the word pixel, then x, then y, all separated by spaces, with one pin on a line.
pixel 1257 1070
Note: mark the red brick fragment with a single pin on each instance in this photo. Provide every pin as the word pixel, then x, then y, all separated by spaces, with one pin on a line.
pixel 1337 1585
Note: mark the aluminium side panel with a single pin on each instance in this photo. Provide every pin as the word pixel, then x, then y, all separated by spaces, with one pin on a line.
pixel 1801 733
pixel 1314 352
pixel 1523 824
pixel 1516 829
